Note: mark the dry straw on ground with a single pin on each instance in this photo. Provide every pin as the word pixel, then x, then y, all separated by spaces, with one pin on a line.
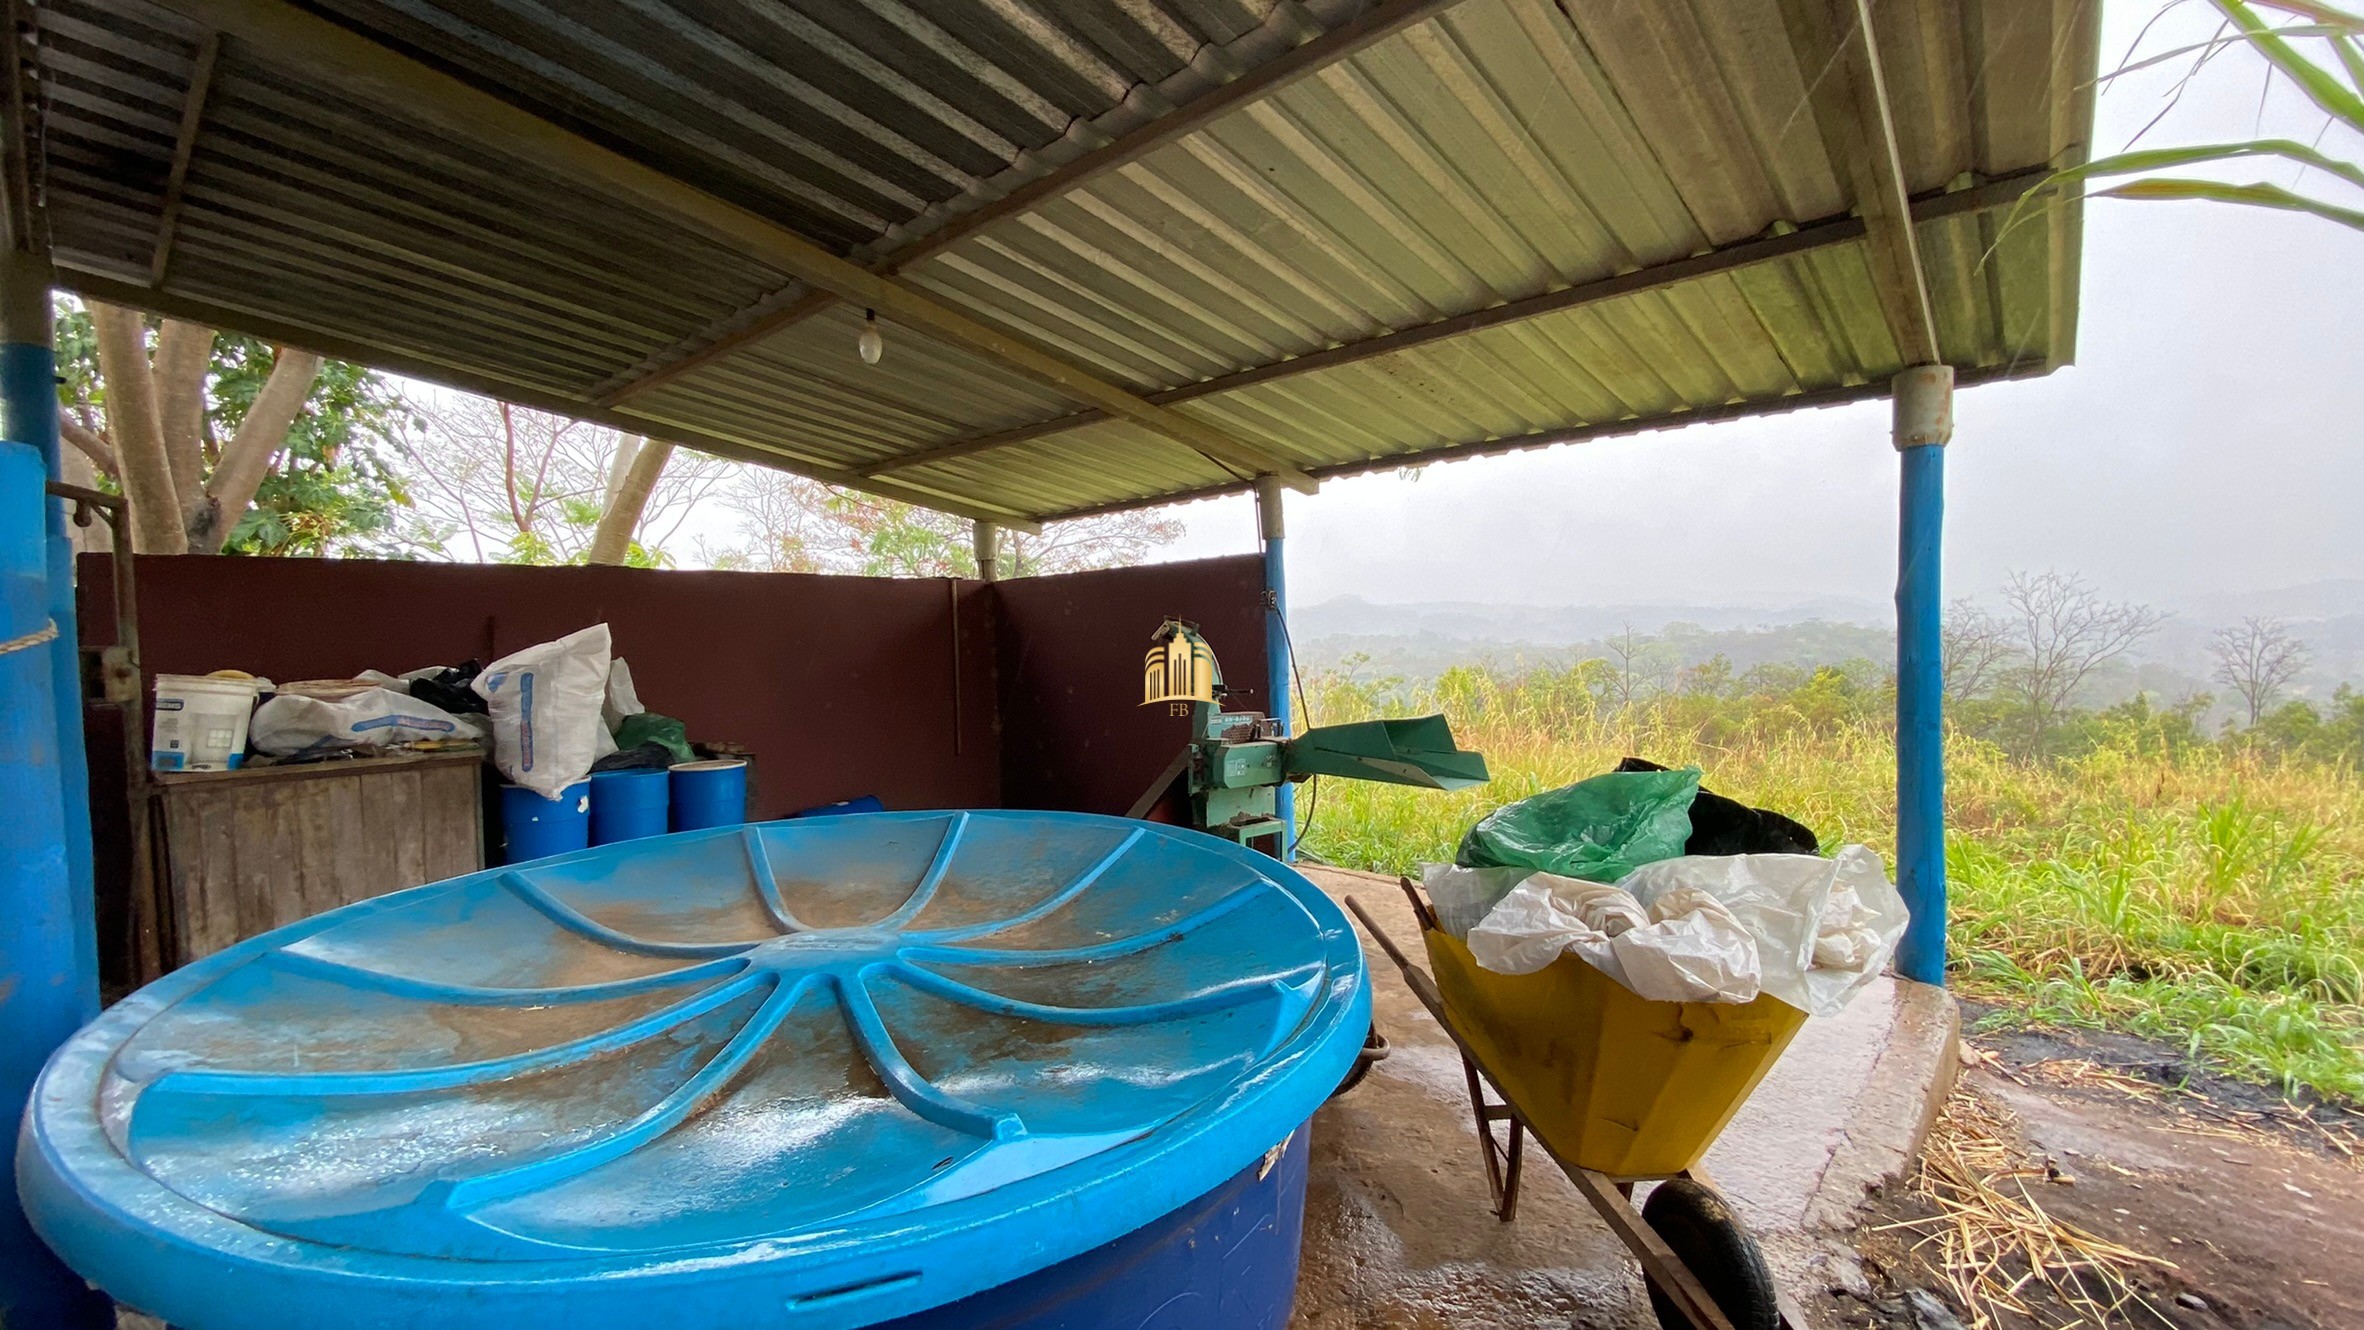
pixel 1996 1246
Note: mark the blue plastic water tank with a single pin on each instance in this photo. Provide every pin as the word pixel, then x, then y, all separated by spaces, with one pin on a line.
pixel 1008 1069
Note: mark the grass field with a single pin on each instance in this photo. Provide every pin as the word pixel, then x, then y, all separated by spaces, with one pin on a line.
pixel 2206 894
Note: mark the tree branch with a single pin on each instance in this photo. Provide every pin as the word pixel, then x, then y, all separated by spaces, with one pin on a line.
pixel 246 459
pixel 90 443
pixel 611 541
pixel 139 434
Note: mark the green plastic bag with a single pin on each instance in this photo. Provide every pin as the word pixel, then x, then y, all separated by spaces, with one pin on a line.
pixel 648 727
pixel 1598 830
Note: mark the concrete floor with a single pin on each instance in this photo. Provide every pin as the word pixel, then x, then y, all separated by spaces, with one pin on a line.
pixel 1398 1230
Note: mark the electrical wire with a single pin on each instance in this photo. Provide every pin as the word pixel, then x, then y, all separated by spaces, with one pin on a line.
pixel 1313 801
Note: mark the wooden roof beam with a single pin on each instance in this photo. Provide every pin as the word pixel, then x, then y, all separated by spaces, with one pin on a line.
pixel 781 309
pixel 1730 258
pixel 1839 56
pixel 184 147
pixel 131 295
pixel 371 72
pixel 1756 408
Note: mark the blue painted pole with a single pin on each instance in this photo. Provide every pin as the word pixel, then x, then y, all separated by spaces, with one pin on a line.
pixel 1276 642
pixel 48 951
pixel 1924 423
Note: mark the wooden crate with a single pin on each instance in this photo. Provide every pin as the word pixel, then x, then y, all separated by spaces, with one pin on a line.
pixel 242 852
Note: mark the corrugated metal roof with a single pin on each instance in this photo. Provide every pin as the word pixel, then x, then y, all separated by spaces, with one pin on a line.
pixel 1497 152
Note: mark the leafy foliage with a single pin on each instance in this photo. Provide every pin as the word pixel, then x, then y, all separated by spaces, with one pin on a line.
pixel 2204 891
pixel 336 486
pixel 2315 47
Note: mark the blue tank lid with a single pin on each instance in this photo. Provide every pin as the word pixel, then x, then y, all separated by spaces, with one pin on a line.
pixel 817 1073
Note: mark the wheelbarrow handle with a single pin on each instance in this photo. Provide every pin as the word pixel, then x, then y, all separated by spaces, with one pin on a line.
pixel 1415 978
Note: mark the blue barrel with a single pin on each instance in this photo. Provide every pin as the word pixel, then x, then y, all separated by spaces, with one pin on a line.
pixel 712 793
pixel 533 827
pixel 626 805
pixel 989 1070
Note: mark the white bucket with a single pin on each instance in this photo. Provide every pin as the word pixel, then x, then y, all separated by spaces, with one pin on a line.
pixel 201 722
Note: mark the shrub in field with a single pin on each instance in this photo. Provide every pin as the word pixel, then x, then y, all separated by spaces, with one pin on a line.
pixel 2208 892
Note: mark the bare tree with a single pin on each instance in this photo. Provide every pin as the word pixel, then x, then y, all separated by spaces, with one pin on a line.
pixel 1973 648
pixel 784 525
pixel 2257 658
pixel 1637 667
pixel 500 483
pixel 154 442
pixel 795 525
pixel 2060 630
pixel 632 478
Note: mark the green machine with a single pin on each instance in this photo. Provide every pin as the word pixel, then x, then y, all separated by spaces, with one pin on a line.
pixel 1236 760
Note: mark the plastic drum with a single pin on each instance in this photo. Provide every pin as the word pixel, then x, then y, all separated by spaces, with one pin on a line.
pixel 973 1068
pixel 709 793
pixel 626 805
pixel 533 827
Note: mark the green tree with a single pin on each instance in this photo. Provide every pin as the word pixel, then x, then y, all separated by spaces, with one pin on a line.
pixel 329 477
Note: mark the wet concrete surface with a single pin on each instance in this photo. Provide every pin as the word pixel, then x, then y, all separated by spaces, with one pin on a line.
pixel 1399 1229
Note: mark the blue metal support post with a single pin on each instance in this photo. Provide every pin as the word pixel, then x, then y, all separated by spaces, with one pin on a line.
pixel 48 943
pixel 1924 424
pixel 1276 643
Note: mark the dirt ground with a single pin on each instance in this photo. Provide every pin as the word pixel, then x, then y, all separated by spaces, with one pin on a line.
pixel 2259 1208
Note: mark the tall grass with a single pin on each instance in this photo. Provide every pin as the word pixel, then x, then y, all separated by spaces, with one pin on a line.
pixel 2206 894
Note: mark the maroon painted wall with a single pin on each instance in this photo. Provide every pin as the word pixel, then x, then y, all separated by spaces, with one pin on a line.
pixel 1074 732
pixel 841 686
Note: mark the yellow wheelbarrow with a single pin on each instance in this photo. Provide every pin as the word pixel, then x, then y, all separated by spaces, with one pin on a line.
pixel 1618 1090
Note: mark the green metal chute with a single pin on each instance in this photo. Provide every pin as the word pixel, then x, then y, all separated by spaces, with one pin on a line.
pixel 1419 751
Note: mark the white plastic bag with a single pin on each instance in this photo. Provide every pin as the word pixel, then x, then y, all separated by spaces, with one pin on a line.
pixel 1462 896
pixel 545 703
pixel 291 723
pixel 1690 950
pixel 622 698
pixel 1824 927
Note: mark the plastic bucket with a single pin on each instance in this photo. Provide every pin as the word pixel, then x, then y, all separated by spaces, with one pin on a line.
pixel 626 805
pixel 712 793
pixel 533 827
pixel 201 722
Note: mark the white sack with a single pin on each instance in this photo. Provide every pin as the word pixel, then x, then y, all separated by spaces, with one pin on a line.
pixel 1824 927
pixel 1692 950
pixel 375 718
pixel 622 698
pixel 545 703
pixel 1462 896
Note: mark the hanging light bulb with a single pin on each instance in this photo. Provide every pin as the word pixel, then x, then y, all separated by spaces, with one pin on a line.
pixel 870 344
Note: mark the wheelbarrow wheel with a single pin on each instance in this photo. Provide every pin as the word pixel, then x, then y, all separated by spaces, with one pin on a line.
pixel 1707 1237
pixel 1374 1050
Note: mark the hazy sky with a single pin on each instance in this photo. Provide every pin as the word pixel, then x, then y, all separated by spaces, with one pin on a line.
pixel 2206 440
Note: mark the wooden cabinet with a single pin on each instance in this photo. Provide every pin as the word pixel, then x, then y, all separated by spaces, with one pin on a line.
pixel 242 852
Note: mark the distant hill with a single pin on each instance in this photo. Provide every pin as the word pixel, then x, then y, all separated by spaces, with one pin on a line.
pixel 1420 640
pixel 1560 625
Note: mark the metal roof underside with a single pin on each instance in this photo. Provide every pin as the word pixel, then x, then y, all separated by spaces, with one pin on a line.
pixel 1500 224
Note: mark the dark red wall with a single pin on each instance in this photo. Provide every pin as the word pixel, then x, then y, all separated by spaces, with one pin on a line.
pixel 1074 732
pixel 841 686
